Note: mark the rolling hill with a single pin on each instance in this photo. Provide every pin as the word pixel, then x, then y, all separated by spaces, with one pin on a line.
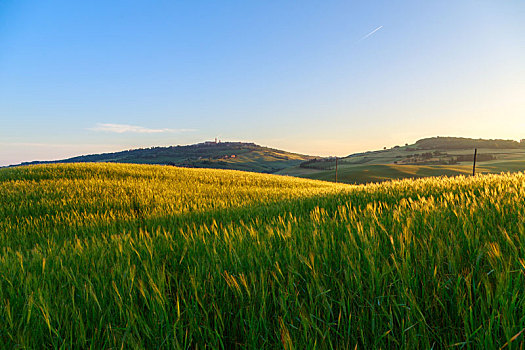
pixel 436 156
pixel 214 155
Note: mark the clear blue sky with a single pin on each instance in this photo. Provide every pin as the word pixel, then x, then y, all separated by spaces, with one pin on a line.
pixel 316 77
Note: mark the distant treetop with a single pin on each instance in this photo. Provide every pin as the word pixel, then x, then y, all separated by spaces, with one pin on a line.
pixel 462 143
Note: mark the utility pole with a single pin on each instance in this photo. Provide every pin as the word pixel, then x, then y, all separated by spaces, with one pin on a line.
pixel 335 169
pixel 474 166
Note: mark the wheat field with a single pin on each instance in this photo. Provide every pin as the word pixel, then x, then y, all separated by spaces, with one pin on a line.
pixel 107 256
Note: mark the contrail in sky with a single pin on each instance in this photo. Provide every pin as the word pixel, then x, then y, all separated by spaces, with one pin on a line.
pixel 372 32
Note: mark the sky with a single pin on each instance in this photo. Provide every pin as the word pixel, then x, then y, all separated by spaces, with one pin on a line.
pixel 313 77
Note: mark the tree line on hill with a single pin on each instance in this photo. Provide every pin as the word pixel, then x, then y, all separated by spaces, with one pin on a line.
pixel 464 143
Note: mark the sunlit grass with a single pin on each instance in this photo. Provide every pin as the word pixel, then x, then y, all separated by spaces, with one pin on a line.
pixel 107 256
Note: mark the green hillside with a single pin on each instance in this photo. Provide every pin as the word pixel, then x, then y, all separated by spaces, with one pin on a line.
pixel 465 143
pixel 436 156
pixel 218 155
pixel 138 256
pixel 440 156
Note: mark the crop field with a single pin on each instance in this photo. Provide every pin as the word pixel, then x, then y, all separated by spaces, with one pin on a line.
pixel 409 162
pixel 141 256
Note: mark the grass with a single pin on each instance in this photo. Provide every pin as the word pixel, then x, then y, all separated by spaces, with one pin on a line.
pixel 135 256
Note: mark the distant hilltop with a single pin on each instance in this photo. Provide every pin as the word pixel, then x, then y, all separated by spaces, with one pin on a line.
pixel 246 156
pixel 434 156
pixel 440 142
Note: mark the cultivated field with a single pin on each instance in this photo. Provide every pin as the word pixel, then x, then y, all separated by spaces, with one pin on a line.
pixel 430 157
pixel 411 162
pixel 138 256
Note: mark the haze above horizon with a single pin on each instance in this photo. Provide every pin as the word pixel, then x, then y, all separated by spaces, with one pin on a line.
pixel 320 78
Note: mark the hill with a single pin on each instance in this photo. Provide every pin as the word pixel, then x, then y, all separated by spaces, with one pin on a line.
pixel 140 256
pixel 437 156
pixel 465 143
pixel 218 155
